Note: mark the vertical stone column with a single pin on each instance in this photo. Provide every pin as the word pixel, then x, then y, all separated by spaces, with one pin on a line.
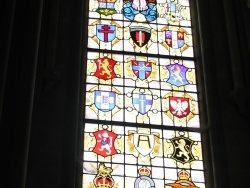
pixel 70 51
pixel 19 84
pixel 216 74
pixel 6 22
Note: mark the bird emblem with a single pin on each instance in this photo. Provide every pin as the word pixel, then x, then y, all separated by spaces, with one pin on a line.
pixel 179 106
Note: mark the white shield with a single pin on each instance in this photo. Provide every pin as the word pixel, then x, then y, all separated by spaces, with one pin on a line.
pixel 144 143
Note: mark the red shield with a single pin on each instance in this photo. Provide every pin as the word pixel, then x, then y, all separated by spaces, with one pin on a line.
pixel 179 106
pixel 105 68
pixel 105 143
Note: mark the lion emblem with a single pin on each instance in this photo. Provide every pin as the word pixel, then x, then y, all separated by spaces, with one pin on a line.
pixel 106 68
pixel 182 149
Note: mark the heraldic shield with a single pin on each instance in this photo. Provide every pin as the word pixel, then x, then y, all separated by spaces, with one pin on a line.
pixel 142 69
pixel 105 68
pixel 177 75
pixel 105 33
pixel 105 143
pixel 144 143
pixel 182 149
pixel 142 102
pixel 105 100
pixel 106 7
pixel 174 39
pixel 140 35
pixel 179 106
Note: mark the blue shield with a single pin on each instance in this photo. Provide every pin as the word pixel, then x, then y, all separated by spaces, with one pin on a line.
pixel 142 69
pixel 177 75
pixel 105 33
pixel 142 102
pixel 105 100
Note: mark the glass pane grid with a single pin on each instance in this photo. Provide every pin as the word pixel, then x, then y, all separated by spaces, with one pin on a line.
pixel 156 151
pixel 141 107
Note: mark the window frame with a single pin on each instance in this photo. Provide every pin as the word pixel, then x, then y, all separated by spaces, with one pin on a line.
pixel 199 56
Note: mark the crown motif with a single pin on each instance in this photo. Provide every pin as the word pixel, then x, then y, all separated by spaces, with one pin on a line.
pixel 104 179
pixel 101 182
pixel 144 171
pixel 183 175
pixel 104 171
pixel 107 1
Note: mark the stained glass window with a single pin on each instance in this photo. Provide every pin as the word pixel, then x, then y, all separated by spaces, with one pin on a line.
pixel 142 120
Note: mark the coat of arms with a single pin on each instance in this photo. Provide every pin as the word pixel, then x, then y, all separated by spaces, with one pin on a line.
pixel 105 33
pixel 106 7
pixel 147 8
pixel 183 181
pixel 179 108
pixel 144 180
pixel 141 69
pixel 105 68
pixel 182 149
pixel 140 35
pixel 177 75
pixel 142 102
pixel 103 100
pixel 105 143
pixel 143 144
pixel 142 105
pixel 176 39
pixel 176 11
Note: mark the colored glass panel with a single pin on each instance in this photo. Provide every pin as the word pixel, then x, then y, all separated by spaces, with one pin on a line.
pixel 141 96
pixel 140 105
pixel 158 157
pixel 171 83
pixel 161 12
pixel 141 71
pixel 141 26
pixel 141 37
